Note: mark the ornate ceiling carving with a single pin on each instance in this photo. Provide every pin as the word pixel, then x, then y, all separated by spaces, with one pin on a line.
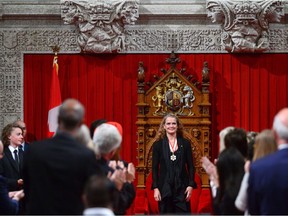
pixel 101 24
pixel 245 23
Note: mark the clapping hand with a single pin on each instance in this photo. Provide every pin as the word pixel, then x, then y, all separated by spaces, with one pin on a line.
pixel 118 177
pixel 130 175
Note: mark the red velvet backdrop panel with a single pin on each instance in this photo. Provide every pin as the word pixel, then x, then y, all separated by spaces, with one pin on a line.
pixel 246 90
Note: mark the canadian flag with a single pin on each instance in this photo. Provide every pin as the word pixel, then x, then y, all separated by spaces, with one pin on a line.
pixel 55 100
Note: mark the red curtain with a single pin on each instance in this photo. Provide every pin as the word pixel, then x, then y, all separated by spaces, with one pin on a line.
pixel 246 90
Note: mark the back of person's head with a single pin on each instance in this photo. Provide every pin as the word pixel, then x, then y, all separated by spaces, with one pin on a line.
pixel 94 125
pixel 83 136
pixel 230 168
pixel 106 139
pixel 71 114
pixel 117 125
pixel 251 135
pixel 237 138
pixel 99 191
pixel 117 156
pixel 265 144
pixel 222 135
pixel 280 125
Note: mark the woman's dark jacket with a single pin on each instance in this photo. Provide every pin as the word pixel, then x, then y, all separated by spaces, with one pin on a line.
pixel 168 175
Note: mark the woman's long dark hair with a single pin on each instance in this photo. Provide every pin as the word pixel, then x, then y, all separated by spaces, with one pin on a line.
pixel 230 168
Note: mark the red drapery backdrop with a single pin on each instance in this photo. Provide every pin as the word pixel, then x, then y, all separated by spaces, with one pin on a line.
pixel 246 90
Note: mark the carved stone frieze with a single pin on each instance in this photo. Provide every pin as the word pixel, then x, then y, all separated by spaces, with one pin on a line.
pixel 245 22
pixel 194 40
pixel 8 118
pixel 278 39
pixel 10 61
pixel 101 24
pixel 18 40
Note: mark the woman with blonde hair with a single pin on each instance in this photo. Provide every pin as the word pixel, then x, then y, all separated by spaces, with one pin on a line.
pixel 172 168
pixel 265 144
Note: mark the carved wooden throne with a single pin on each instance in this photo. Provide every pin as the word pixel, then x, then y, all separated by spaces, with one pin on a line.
pixel 173 92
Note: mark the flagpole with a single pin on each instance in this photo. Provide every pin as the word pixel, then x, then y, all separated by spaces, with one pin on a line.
pixel 56 50
pixel 55 95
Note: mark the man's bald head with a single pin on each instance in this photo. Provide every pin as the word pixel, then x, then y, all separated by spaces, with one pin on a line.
pixel 71 114
pixel 280 124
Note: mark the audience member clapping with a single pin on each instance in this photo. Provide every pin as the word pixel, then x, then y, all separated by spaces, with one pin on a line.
pixel 229 171
pixel 107 140
pixel 210 167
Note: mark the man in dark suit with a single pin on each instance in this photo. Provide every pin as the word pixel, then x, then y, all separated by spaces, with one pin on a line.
pixel 56 169
pixel 11 165
pixel 8 205
pixel 268 180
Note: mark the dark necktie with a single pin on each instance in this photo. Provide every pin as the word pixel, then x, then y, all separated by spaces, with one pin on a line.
pixel 16 157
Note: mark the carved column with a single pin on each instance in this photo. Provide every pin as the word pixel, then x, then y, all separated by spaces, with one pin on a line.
pixel 141 105
pixel 205 112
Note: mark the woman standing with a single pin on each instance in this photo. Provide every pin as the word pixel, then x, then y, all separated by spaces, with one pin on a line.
pixel 172 168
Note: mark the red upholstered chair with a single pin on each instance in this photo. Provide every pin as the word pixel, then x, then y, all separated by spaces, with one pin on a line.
pixel 153 205
pixel 194 201
pixel 140 203
pixel 205 202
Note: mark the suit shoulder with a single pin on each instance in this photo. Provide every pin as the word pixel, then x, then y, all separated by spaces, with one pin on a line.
pixel 264 162
pixel 184 141
pixel 39 144
pixel 46 140
pixel 88 151
pixel 157 143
